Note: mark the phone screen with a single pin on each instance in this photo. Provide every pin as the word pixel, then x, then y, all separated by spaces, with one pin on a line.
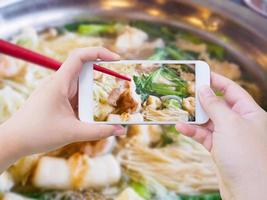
pixel 158 92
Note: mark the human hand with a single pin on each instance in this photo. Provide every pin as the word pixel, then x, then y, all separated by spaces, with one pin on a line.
pixel 236 136
pixel 48 118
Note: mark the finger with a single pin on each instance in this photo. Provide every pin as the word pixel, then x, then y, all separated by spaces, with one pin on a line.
pixel 90 132
pixel 209 125
pixel 74 63
pixel 74 102
pixel 214 106
pixel 198 133
pixel 208 142
pixel 240 101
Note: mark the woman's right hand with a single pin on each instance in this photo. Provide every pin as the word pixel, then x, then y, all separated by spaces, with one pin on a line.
pixel 236 136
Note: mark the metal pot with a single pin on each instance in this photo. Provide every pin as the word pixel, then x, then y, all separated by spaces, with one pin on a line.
pixel 237 29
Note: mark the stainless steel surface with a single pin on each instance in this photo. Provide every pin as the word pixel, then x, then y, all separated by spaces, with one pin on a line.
pixel 242 32
pixel 259 6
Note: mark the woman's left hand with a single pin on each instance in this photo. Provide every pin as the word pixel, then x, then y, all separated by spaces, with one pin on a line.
pixel 48 119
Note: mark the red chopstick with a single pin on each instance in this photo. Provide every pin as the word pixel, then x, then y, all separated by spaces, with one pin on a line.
pixel 110 72
pixel 39 59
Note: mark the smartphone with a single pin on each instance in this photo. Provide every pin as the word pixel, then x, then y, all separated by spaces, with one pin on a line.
pixel 160 92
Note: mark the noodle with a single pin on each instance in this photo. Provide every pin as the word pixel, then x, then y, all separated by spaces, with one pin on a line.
pixel 184 167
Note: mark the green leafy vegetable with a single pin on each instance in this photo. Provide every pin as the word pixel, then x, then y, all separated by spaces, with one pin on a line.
pixel 170 129
pixel 156 30
pixel 214 50
pixel 209 196
pixel 151 189
pixel 165 140
pixel 74 26
pixel 170 135
pixel 161 82
pixel 141 189
pixel 177 54
pixel 171 103
pixel 24 41
pixel 219 93
pixel 191 37
pixel 173 53
pixel 95 29
pixel 64 195
pixel 34 195
pixel 169 35
pixel 160 54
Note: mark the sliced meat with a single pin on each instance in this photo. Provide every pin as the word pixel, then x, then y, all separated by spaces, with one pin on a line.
pixel 100 147
pixel 8 67
pixel 146 50
pixel 187 76
pixel 191 88
pixel 130 39
pixel 126 103
pixel 114 96
pixel 129 101
pixel 145 135
pixel 225 68
pixel 189 46
pixel 117 92
pixel 133 44
pixel 153 102
pixel 189 105
pixel 49 34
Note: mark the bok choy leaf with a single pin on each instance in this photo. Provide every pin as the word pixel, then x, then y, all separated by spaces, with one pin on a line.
pixel 173 53
pixel 164 81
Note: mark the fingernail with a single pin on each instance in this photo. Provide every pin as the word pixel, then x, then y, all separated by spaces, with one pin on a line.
pixel 178 125
pixel 116 56
pixel 206 91
pixel 119 130
pixel 118 127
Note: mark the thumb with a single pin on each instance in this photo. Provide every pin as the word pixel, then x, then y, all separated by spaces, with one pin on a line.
pixel 91 132
pixel 217 109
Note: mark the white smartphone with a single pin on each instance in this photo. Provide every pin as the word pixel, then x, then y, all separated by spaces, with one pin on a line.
pixel 160 92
